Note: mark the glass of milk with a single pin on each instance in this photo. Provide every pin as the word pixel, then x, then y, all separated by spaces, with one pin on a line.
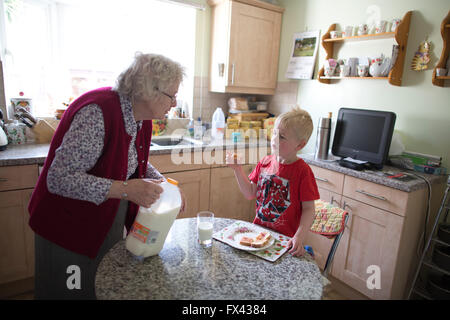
pixel 205 223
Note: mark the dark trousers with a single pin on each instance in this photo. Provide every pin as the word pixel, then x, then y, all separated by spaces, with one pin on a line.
pixel 63 274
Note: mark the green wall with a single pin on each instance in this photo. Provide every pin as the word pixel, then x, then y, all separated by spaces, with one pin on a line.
pixel 422 109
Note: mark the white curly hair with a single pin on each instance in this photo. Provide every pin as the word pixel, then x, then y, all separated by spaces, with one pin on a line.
pixel 147 74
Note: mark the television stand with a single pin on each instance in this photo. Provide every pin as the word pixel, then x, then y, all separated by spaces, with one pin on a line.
pixel 359 166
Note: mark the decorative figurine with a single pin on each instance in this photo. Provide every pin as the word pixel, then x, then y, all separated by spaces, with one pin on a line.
pixel 421 57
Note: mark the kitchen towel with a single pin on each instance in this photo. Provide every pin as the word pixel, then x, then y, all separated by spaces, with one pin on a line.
pixel 329 220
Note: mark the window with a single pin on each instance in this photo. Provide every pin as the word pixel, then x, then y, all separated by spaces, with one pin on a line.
pixel 58 49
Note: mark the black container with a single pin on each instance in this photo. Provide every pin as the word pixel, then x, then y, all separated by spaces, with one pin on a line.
pixel 444 232
pixel 441 257
pixel 439 286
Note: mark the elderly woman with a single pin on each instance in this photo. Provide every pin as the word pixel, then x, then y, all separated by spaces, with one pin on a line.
pixel 96 176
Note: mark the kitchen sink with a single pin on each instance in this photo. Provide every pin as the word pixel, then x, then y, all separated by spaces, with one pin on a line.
pixel 174 141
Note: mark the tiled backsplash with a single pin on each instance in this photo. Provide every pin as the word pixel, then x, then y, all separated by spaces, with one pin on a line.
pixel 285 97
pixel 206 102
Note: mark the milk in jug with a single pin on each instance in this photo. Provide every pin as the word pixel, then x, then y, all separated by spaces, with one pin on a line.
pixel 151 226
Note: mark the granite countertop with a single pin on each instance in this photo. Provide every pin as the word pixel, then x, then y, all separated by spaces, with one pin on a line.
pixel 36 154
pixel 378 176
pixel 16 155
pixel 184 270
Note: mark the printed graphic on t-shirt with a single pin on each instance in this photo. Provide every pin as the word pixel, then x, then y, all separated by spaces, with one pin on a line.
pixel 273 197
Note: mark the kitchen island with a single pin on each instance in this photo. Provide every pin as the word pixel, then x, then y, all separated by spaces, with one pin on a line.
pixel 184 270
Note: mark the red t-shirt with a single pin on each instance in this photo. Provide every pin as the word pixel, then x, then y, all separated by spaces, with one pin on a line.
pixel 281 189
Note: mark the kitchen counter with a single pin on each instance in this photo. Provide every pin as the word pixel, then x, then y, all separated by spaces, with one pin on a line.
pixel 184 270
pixel 16 155
pixel 36 154
pixel 378 176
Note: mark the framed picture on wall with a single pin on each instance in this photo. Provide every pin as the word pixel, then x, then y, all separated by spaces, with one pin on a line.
pixel 303 57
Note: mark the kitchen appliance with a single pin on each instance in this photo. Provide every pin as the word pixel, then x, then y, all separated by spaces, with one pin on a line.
pixel 364 136
pixel 15 132
pixel 323 138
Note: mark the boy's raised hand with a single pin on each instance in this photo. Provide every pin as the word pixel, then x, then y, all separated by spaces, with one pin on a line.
pixel 232 160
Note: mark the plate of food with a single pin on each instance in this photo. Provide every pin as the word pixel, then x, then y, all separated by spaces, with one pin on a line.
pixel 249 238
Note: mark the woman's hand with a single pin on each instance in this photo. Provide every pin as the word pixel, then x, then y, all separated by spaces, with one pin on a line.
pixel 143 192
pixel 296 245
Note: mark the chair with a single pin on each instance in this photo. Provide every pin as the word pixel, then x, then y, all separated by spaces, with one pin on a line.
pixel 330 222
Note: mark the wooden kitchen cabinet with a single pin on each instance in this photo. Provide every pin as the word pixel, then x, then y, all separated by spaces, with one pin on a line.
pixel 195 186
pixel 383 230
pixel 210 187
pixel 245 43
pixel 226 199
pixel 17 242
pixel 372 238
pixel 16 237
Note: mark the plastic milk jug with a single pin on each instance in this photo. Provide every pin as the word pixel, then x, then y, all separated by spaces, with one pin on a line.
pixel 218 124
pixel 151 226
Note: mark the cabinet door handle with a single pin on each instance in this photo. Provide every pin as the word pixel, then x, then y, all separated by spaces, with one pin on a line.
pixel 321 179
pixel 3 179
pixel 372 195
pixel 334 200
pixel 232 73
pixel 349 213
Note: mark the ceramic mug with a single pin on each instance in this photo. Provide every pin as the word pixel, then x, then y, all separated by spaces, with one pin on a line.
pixel 395 24
pixel 345 71
pixel 363 70
pixel 348 31
pixel 335 34
pixel 329 71
pixel 380 27
pixel 363 29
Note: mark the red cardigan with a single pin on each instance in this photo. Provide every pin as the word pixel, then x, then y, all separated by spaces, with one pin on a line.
pixel 77 225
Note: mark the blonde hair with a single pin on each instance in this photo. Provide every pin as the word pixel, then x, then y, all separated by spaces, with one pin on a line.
pixel 148 73
pixel 298 121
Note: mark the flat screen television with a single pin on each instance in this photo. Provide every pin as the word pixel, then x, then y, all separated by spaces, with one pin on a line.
pixel 363 135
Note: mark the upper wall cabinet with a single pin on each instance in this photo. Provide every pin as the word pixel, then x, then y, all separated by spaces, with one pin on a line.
pixel 245 44
pixel 445 32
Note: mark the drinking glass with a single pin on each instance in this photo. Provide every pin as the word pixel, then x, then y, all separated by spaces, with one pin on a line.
pixel 205 223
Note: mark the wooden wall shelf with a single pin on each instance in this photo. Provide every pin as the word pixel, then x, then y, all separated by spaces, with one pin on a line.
pixel 445 32
pixel 384 35
pixel 400 35
pixel 361 78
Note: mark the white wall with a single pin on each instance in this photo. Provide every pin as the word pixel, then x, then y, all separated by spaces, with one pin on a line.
pixel 423 110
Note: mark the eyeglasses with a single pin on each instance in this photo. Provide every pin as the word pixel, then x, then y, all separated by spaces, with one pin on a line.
pixel 173 98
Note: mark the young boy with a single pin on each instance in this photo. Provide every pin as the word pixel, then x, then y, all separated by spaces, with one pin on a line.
pixel 283 184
